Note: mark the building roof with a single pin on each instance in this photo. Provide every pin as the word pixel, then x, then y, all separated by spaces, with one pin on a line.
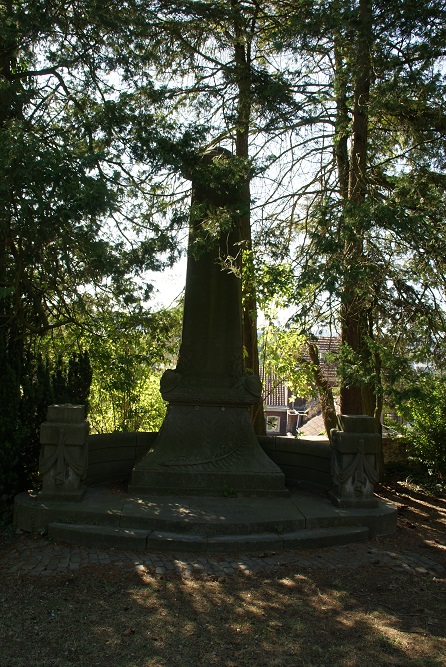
pixel 275 390
pixel 328 345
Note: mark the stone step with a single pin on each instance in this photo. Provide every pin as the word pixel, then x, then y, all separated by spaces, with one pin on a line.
pixel 132 539
pixel 99 536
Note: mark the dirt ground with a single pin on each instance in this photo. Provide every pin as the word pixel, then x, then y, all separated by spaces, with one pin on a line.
pixel 364 616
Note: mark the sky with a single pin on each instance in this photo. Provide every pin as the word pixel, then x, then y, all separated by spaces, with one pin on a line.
pixel 168 284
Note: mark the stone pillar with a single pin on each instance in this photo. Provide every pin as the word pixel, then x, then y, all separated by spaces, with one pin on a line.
pixel 207 442
pixel 355 461
pixel 64 452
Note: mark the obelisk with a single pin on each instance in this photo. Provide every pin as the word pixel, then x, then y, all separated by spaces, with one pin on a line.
pixel 207 444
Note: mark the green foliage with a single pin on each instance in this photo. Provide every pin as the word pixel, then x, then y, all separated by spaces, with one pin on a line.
pixel 282 357
pixel 102 110
pixel 10 429
pixel 425 413
pixel 275 285
pixel 128 351
pixel 354 368
pixel 37 392
pixel 71 381
pixel 113 366
pixel 44 382
pixel 131 403
pixel 68 133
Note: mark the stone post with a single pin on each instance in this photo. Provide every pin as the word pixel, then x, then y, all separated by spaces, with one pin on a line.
pixel 207 442
pixel 64 454
pixel 355 461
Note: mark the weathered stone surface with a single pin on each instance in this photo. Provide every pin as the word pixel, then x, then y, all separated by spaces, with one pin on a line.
pixel 66 413
pixel 356 453
pixel 64 452
pixel 323 537
pixel 207 442
pixel 101 536
pixel 168 521
pixel 209 449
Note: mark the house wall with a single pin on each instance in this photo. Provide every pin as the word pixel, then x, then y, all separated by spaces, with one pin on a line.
pixel 281 415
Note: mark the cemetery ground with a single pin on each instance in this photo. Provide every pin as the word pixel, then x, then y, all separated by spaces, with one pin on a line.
pixel 370 604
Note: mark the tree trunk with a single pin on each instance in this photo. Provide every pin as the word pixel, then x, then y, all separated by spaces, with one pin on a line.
pixel 324 390
pixel 242 53
pixel 354 298
pixel 342 120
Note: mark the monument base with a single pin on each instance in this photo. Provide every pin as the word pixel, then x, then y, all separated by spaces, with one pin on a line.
pixel 202 484
pixel 207 450
pixel 76 495
pixel 352 502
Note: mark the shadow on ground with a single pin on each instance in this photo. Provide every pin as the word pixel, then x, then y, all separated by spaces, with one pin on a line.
pixel 105 617
pixel 371 614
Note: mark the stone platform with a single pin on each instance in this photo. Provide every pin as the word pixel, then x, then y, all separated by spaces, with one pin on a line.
pixel 108 517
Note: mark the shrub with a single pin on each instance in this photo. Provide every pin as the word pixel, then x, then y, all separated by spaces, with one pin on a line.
pixel 425 413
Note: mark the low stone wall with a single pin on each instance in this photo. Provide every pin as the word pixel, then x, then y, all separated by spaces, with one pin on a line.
pixel 303 461
pixel 111 456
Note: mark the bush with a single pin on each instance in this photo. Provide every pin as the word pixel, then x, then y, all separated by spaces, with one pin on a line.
pixel 426 430
pixel 41 383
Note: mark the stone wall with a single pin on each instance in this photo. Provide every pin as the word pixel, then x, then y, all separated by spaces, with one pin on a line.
pixel 303 461
pixel 112 456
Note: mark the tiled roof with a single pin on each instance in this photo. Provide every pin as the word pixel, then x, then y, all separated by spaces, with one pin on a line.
pixel 313 427
pixel 275 391
pixel 328 345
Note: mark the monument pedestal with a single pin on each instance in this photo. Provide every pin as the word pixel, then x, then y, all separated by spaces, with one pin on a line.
pixel 64 453
pixel 356 450
pixel 207 449
pixel 207 443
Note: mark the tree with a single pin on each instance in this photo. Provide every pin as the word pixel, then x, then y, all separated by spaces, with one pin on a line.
pixel 66 135
pixel 358 228
pixel 333 98
pixel 101 112
pixel 129 350
pixel 48 380
pixel 218 61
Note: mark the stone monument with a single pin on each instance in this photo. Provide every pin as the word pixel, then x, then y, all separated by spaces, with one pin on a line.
pixel 355 461
pixel 64 454
pixel 207 444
